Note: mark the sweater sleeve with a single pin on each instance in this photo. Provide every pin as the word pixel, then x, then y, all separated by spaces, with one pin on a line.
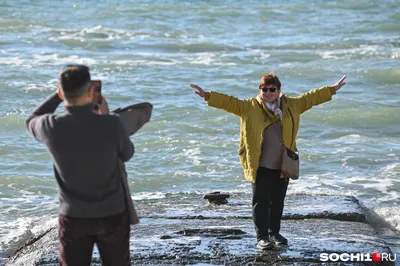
pixel 314 97
pixel 227 103
pixel 40 121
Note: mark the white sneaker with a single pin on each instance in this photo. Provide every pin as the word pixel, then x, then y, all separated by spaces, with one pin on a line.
pixel 264 244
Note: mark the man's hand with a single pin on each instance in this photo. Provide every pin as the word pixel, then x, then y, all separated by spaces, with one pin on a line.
pixel 340 83
pixel 199 91
pixel 103 106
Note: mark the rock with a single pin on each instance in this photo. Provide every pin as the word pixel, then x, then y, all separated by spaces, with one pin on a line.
pixel 217 197
pixel 179 230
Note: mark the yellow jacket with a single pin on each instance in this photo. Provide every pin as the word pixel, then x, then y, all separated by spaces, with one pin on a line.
pixel 253 121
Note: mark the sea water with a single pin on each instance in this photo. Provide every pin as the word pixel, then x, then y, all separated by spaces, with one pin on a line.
pixel 151 51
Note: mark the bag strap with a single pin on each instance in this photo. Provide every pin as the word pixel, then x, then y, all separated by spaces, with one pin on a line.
pixel 279 136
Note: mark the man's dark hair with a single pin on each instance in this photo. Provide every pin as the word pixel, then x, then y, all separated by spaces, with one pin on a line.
pixel 74 81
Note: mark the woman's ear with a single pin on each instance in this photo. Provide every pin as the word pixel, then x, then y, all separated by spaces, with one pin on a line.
pixel 60 94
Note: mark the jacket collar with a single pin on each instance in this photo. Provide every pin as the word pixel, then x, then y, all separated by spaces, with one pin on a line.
pixel 79 109
pixel 284 106
pixel 284 103
pixel 262 103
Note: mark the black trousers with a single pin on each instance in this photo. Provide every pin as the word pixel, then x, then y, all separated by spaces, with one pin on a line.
pixel 78 236
pixel 269 193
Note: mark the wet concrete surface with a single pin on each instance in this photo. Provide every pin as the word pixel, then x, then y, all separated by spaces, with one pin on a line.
pixel 183 229
pixel 190 206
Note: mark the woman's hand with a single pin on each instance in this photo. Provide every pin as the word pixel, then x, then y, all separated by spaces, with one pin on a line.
pixel 340 83
pixel 199 91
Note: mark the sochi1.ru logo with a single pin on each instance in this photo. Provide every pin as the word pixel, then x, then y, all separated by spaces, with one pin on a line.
pixel 375 257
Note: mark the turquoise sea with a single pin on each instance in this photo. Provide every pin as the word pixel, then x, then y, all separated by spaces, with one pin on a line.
pixel 151 51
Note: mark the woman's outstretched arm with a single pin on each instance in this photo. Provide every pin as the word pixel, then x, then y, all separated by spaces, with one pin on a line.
pixel 318 96
pixel 222 101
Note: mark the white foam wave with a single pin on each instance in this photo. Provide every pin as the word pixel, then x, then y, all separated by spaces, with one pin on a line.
pixel 391 170
pixel 145 62
pixel 264 56
pixel 328 55
pixel 46 59
pixel 391 215
pixel 148 195
pixel 245 188
pixel 209 59
pixel 14 234
pixel 367 50
pixel 395 56
pixel 98 33
pixel 191 154
pixel 50 85
pixel 186 174
pixel 316 189
pixel 351 136
pixel 14 61
pixel 58 59
pixel 162 195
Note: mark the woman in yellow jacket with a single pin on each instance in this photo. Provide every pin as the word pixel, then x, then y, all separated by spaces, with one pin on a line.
pixel 265 120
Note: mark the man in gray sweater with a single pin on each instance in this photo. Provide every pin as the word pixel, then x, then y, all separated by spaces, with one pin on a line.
pixel 86 149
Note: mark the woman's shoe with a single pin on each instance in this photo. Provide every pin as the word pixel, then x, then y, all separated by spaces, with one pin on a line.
pixel 265 244
pixel 278 239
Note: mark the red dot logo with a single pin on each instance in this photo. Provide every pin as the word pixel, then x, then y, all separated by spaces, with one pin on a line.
pixel 376 257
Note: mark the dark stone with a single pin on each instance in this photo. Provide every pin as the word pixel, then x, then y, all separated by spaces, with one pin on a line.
pixel 217 198
pixel 165 237
pixel 213 232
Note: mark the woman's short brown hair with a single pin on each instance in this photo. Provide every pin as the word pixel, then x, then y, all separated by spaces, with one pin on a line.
pixel 270 79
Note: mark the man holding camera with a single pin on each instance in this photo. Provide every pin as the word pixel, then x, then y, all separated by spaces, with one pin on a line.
pixel 86 149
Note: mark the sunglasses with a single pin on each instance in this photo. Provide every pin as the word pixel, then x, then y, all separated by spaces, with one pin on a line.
pixel 265 89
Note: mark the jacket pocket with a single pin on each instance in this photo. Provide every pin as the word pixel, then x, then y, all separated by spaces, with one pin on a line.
pixel 243 156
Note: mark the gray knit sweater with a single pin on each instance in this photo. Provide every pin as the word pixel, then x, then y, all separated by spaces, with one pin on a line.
pixel 85 148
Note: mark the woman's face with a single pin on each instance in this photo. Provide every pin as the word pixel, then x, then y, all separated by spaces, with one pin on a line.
pixel 269 93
